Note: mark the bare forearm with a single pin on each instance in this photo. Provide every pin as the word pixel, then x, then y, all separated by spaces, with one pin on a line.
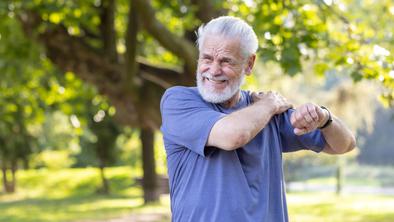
pixel 238 128
pixel 338 137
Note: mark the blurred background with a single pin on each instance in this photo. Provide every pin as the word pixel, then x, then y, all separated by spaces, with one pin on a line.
pixel 81 82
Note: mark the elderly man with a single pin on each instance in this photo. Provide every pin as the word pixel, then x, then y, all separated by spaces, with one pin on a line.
pixel 224 145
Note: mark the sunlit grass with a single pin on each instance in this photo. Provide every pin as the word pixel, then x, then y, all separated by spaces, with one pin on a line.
pixel 328 207
pixel 71 195
pixel 349 181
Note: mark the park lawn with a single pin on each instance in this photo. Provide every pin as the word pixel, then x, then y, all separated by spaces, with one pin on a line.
pixel 328 207
pixel 70 195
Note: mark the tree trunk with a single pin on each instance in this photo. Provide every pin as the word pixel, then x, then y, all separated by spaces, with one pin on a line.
pixel 8 186
pixel 104 182
pixel 26 164
pixel 149 180
pixel 4 172
pixel 13 176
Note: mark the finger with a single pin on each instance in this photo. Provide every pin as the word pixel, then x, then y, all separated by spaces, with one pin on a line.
pixel 311 127
pixel 313 113
pixel 311 123
pixel 300 131
pixel 295 122
pixel 300 120
pixel 292 119
pixel 255 96
pixel 308 118
pixel 321 113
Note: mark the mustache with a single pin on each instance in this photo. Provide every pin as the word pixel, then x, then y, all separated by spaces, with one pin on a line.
pixel 213 77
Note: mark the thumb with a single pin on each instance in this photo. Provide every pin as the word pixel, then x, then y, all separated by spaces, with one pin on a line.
pixel 300 131
pixel 255 96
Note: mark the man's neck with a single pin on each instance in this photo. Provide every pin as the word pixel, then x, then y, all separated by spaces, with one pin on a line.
pixel 232 101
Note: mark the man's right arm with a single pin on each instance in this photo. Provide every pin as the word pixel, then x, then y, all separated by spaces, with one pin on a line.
pixel 238 128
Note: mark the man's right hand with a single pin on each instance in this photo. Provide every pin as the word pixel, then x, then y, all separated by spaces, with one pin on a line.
pixel 275 101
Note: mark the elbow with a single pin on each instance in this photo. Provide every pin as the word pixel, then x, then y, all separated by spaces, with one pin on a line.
pixel 352 144
pixel 242 139
pixel 236 141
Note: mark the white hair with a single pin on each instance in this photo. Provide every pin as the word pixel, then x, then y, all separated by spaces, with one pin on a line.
pixel 230 27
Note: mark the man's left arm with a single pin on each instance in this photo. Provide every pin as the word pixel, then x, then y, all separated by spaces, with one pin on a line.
pixel 309 117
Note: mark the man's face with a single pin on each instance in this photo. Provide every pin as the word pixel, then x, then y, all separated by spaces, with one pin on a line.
pixel 221 69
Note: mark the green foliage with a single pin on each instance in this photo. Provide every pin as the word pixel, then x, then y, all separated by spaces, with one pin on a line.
pixel 131 150
pixel 337 36
pixel 103 138
pixel 97 129
pixel 31 92
pixel 53 159
pixel 21 97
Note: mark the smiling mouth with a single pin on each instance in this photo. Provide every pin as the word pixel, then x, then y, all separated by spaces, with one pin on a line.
pixel 215 80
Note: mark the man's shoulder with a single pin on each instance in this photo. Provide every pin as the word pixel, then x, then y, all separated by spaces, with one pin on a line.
pixel 179 94
pixel 181 90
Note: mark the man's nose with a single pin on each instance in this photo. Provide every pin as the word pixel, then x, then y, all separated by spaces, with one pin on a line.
pixel 216 69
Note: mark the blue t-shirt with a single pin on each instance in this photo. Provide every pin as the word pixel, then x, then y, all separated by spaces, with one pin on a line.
pixel 211 184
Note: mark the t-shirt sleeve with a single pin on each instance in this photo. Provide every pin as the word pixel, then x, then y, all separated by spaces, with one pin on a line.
pixel 186 119
pixel 291 142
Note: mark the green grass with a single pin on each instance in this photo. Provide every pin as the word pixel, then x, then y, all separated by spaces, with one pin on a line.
pixel 70 195
pixel 327 207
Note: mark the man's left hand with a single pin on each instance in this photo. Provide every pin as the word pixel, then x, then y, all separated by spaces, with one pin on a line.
pixel 307 118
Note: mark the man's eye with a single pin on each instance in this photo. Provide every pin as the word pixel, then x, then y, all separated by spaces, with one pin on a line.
pixel 226 61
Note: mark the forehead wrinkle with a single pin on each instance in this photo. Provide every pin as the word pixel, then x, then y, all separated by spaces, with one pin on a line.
pixel 217 49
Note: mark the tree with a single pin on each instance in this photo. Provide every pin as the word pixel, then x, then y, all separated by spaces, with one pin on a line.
pixel 20 101
pixel 15 145
pixel 108 43
pixel 104 132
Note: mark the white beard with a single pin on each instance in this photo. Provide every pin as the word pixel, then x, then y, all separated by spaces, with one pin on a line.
pixel 218 97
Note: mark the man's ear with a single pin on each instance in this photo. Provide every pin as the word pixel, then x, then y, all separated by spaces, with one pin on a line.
pixel 250 64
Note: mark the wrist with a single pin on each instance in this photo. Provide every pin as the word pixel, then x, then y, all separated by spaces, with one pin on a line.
pixel 266 108
pixel 327 120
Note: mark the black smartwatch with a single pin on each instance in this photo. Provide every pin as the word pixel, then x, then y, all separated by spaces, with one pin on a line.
pixel 329 120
